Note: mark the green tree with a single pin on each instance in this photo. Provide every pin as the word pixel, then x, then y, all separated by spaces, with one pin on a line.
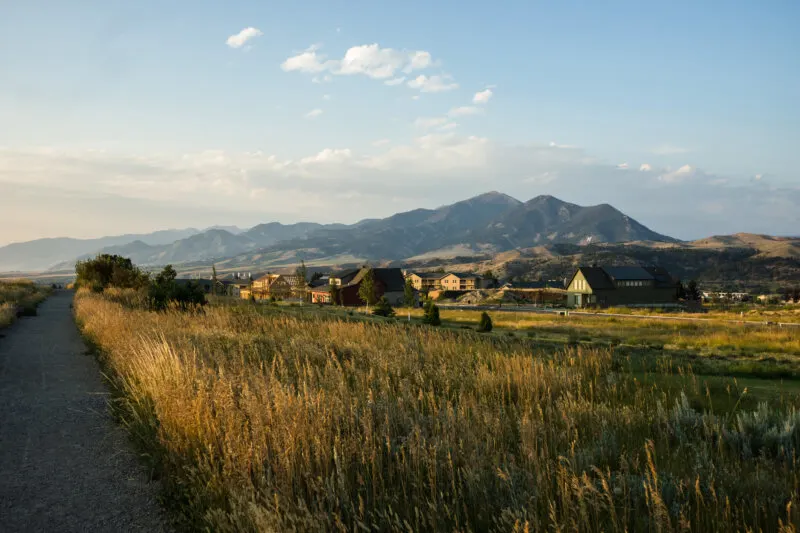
pixel 301 273
pixel 489 275
pixel 681 291
pixel 485 323
pixel 315 276
pixel 383 308
pixel 366 291
pixel 214 279
pixel 431 314
pixel 335 293
pixel 408 294
pixel 107 270
pixel 693 292
pixel 165 290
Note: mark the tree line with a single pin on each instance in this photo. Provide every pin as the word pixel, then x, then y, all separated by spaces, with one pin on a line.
pixel 162 289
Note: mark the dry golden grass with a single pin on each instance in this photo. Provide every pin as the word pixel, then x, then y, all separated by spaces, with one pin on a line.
pixel 260 419
pixel 19 296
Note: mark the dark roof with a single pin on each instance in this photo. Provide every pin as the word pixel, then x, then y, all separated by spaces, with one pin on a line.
pixel 662 277
pixel 604 277
pixel 344 273
pixel 429 275
pixel 392 278
pixel 319 283
pixel 466 276
pixel 596 277
pixel 628 273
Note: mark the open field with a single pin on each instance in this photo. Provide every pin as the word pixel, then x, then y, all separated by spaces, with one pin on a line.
pixel 19 297
pixel 262 417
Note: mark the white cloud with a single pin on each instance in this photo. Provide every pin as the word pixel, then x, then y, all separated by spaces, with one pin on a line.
pixel 307 61
pixel 554 144
pixel 415 97
pixel 683 173
pixel 314 113
pixel 669 149
pixel 240 39
pixel 380 142
pixel 419 61
pixel 326 97
pixel 435 168
pixel 464 110
pixel 623 166
pixel 482 97
pixel 395 81
pixel 367 59
pixel 645 167
pixel 448 126
pixel 429 122
pixel 758 177
pixel 433 84
pixel 328 155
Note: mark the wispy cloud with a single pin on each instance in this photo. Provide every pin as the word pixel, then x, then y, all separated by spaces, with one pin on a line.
pixel 380 142
pixel 368 60
pixel 464 111
pixel 433 84
pixel 240 39
pixel 314 113
pixel 482 97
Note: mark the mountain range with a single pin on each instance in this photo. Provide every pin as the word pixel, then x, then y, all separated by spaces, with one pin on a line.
pixel 491 222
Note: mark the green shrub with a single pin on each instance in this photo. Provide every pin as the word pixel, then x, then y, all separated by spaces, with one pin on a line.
pixel 383 308
pixel 485 323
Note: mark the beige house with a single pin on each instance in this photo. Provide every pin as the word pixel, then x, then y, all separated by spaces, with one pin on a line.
pixel 461 282
pixel 268 286
pixel 426 281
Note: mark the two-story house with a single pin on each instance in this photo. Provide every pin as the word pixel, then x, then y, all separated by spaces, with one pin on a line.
pixel 621 286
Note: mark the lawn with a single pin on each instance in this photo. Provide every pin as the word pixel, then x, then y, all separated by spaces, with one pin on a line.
pixel 283 418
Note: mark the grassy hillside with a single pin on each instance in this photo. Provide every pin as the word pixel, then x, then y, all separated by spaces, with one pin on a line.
pixel 261 418
pixel 19 297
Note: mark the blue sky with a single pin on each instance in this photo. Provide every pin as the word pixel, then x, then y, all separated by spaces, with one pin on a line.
pixel 121 117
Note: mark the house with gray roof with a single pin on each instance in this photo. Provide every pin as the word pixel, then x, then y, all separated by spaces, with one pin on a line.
pixel 612 286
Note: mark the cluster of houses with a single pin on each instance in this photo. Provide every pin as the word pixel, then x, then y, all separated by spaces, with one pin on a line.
pixel 589 286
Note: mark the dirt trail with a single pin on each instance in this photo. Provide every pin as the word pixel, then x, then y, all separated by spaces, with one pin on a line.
pixel 64 464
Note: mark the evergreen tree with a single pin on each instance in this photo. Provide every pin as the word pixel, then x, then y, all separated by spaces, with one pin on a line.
pixel 485 323
pixel 681 291
pixel 383 308
pixel 693 292
pixel 431 314
pixel 408 294
pixel 214 280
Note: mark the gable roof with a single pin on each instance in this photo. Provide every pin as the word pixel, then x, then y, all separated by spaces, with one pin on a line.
pixel 596 277
pixel 391 278
pixel 628 273
pixel 604 277
pixel 428 275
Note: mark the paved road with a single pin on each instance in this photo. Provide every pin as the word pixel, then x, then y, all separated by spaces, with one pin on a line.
pixel 64 464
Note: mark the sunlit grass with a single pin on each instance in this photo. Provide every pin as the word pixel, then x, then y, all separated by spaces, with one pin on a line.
pixel 262 418
pixel 19 297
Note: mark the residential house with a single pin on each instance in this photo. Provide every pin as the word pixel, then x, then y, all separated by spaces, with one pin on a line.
pixel 266 287
pixel 461 282
pixel 343 277
pixel 426 281
pixel 320 290
pixel 621 286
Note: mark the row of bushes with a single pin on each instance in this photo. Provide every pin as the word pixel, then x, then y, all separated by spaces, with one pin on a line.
pixel 19 298
pixel 162 290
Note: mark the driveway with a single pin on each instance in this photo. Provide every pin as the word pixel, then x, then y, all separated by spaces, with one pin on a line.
pixel 64 464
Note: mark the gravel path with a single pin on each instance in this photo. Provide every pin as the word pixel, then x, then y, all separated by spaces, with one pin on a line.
pixel 64 464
